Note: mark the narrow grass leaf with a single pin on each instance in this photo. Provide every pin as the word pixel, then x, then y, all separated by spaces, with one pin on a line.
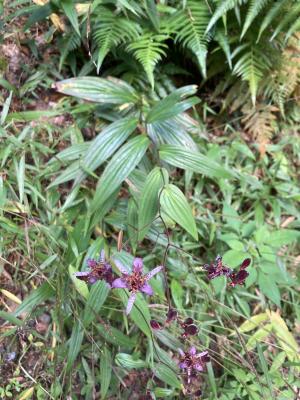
pixel 264 367
pixel 105 371
pixel 74 344
pixel 167 375
pixel 96 299
pixel 36 297
pixel 129 362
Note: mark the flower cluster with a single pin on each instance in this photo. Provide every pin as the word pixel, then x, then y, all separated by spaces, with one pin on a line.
pixel 99 269
pixel 218 268
pixel 135 281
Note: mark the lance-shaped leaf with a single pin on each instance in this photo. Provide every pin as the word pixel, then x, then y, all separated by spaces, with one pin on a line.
pixel 149 201
pixel 105 371
pixel 193 161
pixel 175 205
pixel 99 90
pixel 105 144
pixel 118 169
pixel 172 104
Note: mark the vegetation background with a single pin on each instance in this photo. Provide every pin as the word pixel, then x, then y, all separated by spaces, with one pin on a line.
pixel 167 130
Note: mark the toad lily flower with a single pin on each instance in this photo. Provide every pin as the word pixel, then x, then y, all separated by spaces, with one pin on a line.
pixel 99 269
pixel 192 362
pixel 134 282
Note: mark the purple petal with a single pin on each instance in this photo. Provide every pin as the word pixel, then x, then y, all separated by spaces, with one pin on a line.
pixel 121 267
pixel 102 255
pixel 92 279
pixel 138 265
pixel 192 351
pixel 91 262
pixel 181 352
pixel 130 303
pixel 153 272
pixel 204 353
pixel 147 289
pixel 198 367
pixel 183 365
pixel 119 283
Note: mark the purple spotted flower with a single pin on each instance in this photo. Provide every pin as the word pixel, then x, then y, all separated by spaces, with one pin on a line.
pixel 99 269
pixel 217 269
pixel 135 281
pixel 193 362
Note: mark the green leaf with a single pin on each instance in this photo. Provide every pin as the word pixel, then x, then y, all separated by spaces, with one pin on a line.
pixel 74 344
pixel 167 375
pixel 269 288
pixel 116 337
pixel 129 362
pixel 175 205
pixel 99 90
pixel 177 293
pixel 95 301
pixel 105 371
pixel 105 144
pixel 283 237
pixel 193 161
pixel 148 206
pixel 80 286
pixel 140 312
pixel 233 258
pixel 35 298
pixel 171 105
pixel 132 223
pixel 70 11
pixel 118 169
pixel 10 318
pixel 231 217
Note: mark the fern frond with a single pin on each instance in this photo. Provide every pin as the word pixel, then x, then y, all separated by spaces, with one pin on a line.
pixel 148 49
pixel 222 39
pixel 251 66
pixel 110 30
pixel 70 42
pixel 272 13
pixel 285 80
pixel 190 25
pixel 254 9
pixel 260 122
pixel 292 14
pixel 223 7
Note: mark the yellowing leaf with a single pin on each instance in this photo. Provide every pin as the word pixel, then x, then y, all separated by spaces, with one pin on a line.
pixel 26 394
pixel 259 336
pixel 11 296
pixel 284 336
pixel 253 322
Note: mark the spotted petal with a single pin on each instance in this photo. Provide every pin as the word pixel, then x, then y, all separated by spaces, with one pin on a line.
pixel 147 289
pixel 130 303
pixel 121 267
pixel 181 352
pixel 183 365
pixel 153 272
pixel 119 283
pixel 83 276
pixel 198 367
pixel 138 265
pixel 193 351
